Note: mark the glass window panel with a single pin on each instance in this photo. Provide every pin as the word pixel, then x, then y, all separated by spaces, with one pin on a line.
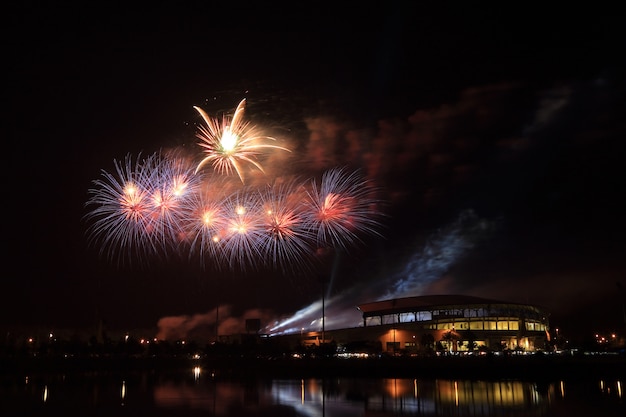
pixel 476 325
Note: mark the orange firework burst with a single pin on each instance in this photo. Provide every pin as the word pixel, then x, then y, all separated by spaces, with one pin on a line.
pixel 232 142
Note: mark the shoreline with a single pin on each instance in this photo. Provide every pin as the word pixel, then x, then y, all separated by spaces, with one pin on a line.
pixel 535 367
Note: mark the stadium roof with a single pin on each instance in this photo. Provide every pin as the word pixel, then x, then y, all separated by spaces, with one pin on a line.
pixel 424 303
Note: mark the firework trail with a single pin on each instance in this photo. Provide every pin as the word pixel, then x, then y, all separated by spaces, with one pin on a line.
pixel 231 143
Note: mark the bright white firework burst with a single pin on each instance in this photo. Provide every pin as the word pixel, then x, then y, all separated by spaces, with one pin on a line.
pixel 232 142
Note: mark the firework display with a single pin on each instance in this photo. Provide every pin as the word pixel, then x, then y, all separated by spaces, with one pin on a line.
pixel 232 142
pixel 165 203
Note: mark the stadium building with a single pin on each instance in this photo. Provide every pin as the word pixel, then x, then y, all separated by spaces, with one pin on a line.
pixel 439 323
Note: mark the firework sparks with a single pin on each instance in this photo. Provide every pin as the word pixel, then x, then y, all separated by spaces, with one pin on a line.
pixel 157 205
pixel 244 229
pixel 286 240
pixel 205 225
pixel 232 143
pixel 161 204
pixel 172 184
pixel 121 214
pixel 341 208
pixel 140 210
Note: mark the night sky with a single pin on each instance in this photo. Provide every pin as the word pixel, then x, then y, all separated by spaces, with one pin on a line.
pixel 497 141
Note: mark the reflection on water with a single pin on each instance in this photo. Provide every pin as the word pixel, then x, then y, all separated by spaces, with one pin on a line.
pixel 199 392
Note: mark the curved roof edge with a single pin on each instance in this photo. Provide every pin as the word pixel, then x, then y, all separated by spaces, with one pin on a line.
pixel 424 302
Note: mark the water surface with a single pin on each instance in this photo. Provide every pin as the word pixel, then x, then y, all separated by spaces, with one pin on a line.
pixel 199 392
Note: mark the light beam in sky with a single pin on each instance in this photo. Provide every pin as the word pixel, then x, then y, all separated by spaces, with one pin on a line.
pixel 442 250
pixel 424 266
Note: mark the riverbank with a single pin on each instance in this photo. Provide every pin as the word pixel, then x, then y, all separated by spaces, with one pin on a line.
pixel 531 367
pixel 520 367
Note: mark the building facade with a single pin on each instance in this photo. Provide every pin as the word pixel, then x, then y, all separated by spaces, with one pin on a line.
pixel 441 323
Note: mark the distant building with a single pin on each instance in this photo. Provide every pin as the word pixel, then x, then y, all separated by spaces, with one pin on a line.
pixel 443 323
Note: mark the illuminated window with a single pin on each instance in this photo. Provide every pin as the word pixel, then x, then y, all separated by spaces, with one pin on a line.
pixel 490 325
pixel 476 325
pixel 461 325
pixel 503 325
pixel 513 325
pixel 424 315
pixel 535 326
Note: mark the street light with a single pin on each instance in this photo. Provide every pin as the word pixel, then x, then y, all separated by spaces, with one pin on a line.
pixel 323 310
